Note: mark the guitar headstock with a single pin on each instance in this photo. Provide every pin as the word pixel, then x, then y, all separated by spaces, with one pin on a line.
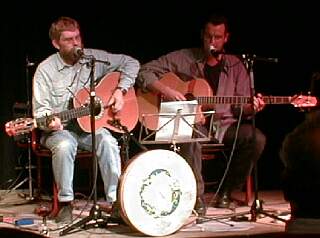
pixel 19 126
pixel 304 101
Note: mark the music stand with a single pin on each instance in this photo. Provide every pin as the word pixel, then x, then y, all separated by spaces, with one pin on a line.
pixel 176 124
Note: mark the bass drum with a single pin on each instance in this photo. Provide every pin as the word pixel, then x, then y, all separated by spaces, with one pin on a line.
pixel 157 192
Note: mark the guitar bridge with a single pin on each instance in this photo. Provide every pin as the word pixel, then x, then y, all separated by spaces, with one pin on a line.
pixel 115 122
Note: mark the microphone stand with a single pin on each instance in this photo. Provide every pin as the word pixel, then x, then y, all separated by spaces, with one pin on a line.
pixel 29 64
pixel 256 207
pixel 95 218
pixel 126 138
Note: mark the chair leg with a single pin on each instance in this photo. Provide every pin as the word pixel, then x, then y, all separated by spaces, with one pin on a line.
pixel 39 178
pixel 249 186
pixel 55 202
pixel 248 193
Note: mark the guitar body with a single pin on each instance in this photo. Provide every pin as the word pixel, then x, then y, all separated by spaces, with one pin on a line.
pixel 149 102
pixel 128 116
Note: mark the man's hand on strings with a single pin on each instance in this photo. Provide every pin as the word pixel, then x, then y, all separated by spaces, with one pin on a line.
pixel 55 124
pixel 258 103
pixel 170 94
pixel 116 101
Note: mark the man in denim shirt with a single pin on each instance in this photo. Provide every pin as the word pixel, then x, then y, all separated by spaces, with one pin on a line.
pixel 56 81
pixel 227 76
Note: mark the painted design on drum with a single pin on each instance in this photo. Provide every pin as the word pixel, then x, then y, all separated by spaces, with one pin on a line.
pixel 160 193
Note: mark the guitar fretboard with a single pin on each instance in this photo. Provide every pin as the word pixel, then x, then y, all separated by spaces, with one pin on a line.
pixel 64 115
pixel 242 100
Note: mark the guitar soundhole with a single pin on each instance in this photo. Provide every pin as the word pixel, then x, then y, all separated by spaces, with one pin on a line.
pixel 98 106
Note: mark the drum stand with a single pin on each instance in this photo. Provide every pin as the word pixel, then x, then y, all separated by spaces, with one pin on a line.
pixel 179 119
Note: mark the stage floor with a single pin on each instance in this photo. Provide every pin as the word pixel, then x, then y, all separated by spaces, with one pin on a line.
pixel 217 222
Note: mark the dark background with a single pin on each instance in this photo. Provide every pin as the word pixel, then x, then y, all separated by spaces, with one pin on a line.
pixel 147 29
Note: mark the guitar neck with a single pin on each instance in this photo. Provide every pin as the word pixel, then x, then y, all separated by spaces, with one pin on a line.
pixel 242 100
pixel 64 115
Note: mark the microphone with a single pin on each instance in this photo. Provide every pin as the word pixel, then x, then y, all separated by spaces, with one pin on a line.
pixel 29 63
pixel 214 51
pixel 78 52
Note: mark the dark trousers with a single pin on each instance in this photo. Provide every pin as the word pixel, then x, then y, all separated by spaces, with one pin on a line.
pixel 249 145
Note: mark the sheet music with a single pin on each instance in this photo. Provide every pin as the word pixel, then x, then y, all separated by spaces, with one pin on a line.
pixel 173 120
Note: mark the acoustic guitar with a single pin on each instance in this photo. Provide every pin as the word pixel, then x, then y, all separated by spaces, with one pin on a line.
pixel 200 90
pixel 123 121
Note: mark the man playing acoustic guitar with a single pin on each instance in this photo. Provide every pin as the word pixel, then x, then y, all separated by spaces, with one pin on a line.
pixel 227 76
pixel 56 82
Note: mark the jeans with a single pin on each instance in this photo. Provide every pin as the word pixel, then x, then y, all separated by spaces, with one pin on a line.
pixel 63 145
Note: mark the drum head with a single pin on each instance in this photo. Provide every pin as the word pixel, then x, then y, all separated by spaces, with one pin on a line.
pixel 157 192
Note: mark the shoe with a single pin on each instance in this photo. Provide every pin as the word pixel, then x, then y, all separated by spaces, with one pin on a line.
pixel 223 200
pixel 200 206
pixel 115 216
pixel 64 214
